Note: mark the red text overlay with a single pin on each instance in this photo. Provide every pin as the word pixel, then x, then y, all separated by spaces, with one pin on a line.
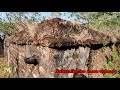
pixel 84 71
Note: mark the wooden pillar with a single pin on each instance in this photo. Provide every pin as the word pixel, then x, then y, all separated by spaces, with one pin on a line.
pixel 8 54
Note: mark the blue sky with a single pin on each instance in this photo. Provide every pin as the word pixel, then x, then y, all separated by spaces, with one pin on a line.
pixel 2 15
pixel 47 14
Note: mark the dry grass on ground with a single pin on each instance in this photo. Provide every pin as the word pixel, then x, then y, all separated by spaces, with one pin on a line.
pixel 4 69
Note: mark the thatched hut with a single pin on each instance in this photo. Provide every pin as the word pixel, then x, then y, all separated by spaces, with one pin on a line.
pixel 40 49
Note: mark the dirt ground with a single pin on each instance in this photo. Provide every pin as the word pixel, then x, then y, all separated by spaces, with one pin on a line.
pixel 5 71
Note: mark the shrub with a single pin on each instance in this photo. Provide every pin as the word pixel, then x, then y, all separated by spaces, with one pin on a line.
pixel 113 63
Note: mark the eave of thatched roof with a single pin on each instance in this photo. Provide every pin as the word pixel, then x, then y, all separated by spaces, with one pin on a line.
pixel 57 32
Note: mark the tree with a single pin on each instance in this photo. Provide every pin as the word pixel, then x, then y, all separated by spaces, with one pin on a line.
pixel 16 20
pixel 105 21
pixel 102 21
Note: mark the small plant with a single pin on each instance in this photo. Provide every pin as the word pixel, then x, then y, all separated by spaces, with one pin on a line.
pixel 104 46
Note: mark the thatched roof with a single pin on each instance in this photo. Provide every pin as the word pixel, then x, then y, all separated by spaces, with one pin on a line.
pixel 57 32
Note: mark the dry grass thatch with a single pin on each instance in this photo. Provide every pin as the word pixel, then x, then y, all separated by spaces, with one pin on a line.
pixel 57 32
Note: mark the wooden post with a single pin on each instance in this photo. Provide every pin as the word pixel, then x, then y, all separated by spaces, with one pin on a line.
pixel 8 54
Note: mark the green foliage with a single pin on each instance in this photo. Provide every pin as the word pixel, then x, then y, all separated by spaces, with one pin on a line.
pixel 104 46
pixel 7 28
pixel 13 20
pixel 113 63
pixel 102 21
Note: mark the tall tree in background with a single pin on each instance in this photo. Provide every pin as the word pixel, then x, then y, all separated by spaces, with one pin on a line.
pixel 16 20
pixel 102 21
